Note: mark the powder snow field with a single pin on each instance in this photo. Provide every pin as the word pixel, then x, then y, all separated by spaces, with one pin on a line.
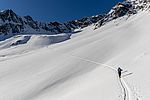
pixel 83 67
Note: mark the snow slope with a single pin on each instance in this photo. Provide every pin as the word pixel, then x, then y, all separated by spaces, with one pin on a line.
pixel 84 67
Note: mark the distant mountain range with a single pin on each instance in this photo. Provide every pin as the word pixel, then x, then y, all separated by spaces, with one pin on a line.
pixel 12 24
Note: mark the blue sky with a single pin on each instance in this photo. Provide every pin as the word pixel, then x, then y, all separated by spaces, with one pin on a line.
pixel 58 10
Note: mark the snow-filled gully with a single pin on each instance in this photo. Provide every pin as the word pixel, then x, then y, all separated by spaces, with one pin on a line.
pixel 127 94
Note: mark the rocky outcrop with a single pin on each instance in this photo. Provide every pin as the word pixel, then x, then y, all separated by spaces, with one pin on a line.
pixel 127 7
pixel 119 10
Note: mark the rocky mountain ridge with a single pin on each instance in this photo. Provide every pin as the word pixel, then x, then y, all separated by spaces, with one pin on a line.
pixel 127 7
pixel 11 23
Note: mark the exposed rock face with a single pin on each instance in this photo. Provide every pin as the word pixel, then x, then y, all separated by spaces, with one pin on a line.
pixel 14 24
pixel 119 10
pixel 128 7
pixel 9 21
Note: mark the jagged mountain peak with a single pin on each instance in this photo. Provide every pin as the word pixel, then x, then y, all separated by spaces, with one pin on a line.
pixel 7 11
pixel 10 22
pixel 8 15
pixel 119 10
pixel 127 7
pixel 28 17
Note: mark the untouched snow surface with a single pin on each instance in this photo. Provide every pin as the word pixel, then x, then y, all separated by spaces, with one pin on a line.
pixel 82 68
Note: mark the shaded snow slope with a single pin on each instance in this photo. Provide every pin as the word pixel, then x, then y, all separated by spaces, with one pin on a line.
pixel 75 69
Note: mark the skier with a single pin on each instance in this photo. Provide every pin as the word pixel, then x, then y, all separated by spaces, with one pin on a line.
pixel 119 72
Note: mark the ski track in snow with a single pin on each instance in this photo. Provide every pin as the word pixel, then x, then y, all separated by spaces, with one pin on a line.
pixel 126 90
pixel 129 94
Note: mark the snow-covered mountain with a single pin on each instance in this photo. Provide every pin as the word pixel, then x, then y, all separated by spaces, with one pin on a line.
pixel 12 23
pixel 127 7
pixel 83 67
pixel 20 30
